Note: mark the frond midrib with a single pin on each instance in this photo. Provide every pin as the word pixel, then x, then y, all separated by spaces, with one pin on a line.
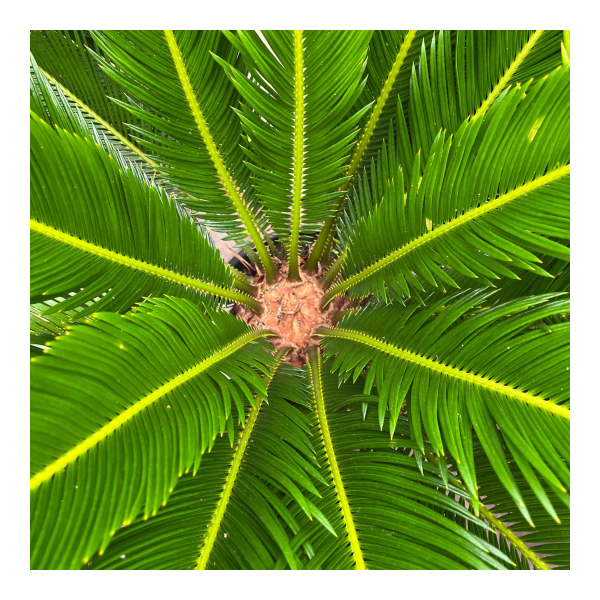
pixel 508 74
pixel 499 525
pixel 361 148
pixel 236 463
pixel 438 367
pixel 216 158
pixel 139 265
pixel 314 363
pixel 96 117
pixel 141 404
pixel 443 229
pixel 298 154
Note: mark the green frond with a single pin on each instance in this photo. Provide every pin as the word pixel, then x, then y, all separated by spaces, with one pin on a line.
pixel 104 234
pixel 235 512
pixel 388 61
pixel 547 544
pixel 391 56
pixel 296 123
pixel 67 62
pixel 461 74
pixel 47 100
pixel 463 375
pixel 120 408
pixel 198 136
pixel 494 193
pixel 400 518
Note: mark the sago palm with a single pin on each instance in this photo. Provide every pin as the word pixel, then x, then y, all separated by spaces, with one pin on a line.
pixel 383 383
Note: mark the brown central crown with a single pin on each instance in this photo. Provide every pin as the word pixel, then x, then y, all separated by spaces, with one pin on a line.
pixel 292 312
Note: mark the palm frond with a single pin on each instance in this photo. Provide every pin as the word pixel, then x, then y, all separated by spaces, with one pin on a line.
pixel 494 193
pixel 49 101
pixel 470 376
pixel 66 61
pixel 390 55
pixel 123 406
pixel 462 78
pixel 547 545
pixel 235 511
pixel 104 234
pixel 303 85
pixel 386 514
pixel 198 136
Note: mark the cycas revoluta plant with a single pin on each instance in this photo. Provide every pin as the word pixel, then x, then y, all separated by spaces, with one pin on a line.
pixel 415 411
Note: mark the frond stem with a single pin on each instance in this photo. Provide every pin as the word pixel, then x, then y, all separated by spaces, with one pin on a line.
pixel 294 271
pixel 333 271
pixel 314 364
pixel 213 151
pixel 236 463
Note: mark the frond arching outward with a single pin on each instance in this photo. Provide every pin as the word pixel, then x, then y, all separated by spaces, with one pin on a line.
pixel 460 75
pixel 199 140
pixel 547 544
pixel 235 512
pixel 389 56
pixel 461 370
pixel 66 61
pixel 494 193
pixel 121 407
pixel 386 514
pixel 108 236
pixel 296 122
pixel 48 101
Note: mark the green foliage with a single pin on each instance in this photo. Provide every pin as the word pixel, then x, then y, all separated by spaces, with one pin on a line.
pixel 429 429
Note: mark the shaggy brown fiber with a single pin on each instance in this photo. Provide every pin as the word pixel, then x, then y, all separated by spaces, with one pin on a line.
pixel 292 312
